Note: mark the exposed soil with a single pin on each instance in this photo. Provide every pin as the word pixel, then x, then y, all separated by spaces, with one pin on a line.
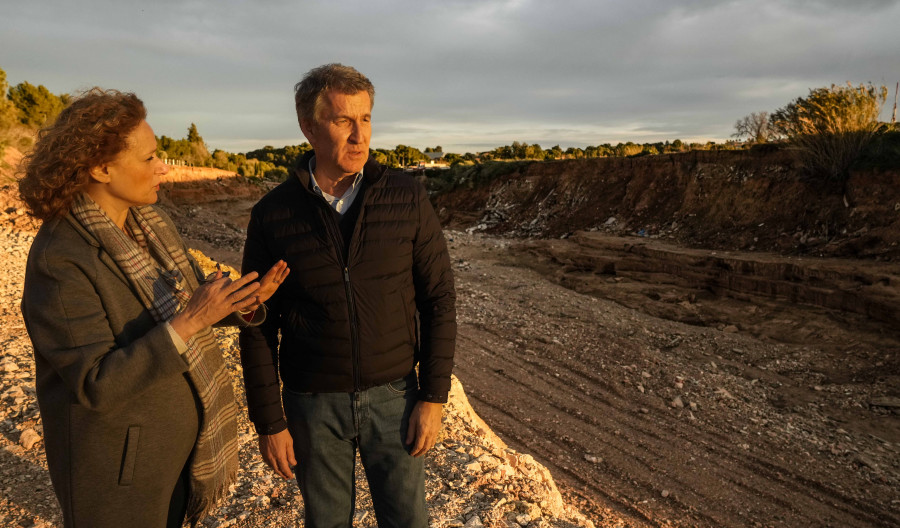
pixel 665 386
pixel 655 402
pixel 634 338
pixel 727 200
pixel 662 382
pixel 473 479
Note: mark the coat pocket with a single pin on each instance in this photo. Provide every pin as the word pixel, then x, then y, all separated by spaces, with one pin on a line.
pixel 129 456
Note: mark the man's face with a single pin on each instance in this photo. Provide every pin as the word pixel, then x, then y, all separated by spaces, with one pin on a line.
pixel 340 135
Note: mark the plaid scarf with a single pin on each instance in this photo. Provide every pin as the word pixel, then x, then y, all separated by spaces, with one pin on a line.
pixel 163 277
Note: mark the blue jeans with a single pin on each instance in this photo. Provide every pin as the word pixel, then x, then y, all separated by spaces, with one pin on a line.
pixel 328 428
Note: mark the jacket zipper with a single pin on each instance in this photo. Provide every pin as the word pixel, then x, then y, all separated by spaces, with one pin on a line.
pixel 338 240
pixel 354 330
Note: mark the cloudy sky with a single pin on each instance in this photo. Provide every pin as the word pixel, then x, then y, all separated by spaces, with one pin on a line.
pixel 468 75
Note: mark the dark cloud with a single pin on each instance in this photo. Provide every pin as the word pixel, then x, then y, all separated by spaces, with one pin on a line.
pixel 467 73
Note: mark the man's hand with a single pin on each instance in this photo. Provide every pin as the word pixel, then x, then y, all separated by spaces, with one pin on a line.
pixel 272 280
pixel 424 425
pixel 277 451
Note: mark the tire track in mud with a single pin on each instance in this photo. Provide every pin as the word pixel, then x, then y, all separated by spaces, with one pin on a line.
pixel 548 384
pixel 643 451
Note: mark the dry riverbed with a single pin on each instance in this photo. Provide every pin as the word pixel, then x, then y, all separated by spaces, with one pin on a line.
pixel 652 401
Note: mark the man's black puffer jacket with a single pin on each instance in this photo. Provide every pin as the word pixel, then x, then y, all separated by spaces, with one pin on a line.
pixel 348 324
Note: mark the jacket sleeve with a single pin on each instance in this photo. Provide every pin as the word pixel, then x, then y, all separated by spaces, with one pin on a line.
pixel 67 322
pixel 259 344
pixel 435 301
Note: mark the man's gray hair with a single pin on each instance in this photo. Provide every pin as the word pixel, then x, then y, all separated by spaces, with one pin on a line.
pixel 343 79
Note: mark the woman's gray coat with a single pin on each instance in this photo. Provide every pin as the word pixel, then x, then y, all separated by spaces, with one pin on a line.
pixel 119 415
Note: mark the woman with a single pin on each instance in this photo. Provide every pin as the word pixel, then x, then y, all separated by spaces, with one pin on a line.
pixel 138 411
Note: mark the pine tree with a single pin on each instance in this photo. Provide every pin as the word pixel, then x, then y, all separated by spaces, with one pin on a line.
pixel 36 105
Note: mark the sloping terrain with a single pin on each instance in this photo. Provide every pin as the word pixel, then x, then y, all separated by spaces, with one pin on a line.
pixel 473 478
pixel 658 401
pixel 680 376
pixel 9 160
pixel 664 335
pixel 734 200
pixel 665 383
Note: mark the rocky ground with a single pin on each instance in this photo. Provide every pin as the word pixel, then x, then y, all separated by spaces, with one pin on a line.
pixel 702 339
pixel 647 421
pixel 659 388
pixel 473 478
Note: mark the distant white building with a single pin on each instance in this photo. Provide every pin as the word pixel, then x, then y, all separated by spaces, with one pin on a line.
pixel 435 161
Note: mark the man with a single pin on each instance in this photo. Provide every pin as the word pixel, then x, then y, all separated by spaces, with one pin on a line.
pixel 370 296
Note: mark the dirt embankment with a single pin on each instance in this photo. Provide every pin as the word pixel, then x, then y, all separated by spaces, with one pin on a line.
pixel 655 402
pixel 211 208
pixel 683 377
pixel 667 379
pixel 8 162
pixel 740 200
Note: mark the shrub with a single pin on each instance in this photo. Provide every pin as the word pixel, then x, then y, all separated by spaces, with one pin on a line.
pixel 470 176
pixel 883 152
pixel 832 126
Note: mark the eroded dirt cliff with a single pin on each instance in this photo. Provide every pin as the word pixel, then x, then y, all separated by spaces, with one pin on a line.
pixel 737 200
pixel 682 376
pixel 621 323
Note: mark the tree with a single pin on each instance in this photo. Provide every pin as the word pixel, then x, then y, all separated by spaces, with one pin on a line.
pixel 756 126
pixel 191 150
pixel 408 155
pixel 518 150
pixel 193 135
pixel 452 159
pixel 628 149
pixel 832 126
pixel 534 152
pixel 199 154
pixel 556 152
pixel 600 151
pixel 285 157
pixel 574 153
pixel 220 160
pixel 36 105
pixel 8 112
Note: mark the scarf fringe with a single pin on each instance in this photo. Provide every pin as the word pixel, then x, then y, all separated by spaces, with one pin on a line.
pixel 199 506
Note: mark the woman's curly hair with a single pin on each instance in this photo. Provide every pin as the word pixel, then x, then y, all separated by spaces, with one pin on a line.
pixel 89 132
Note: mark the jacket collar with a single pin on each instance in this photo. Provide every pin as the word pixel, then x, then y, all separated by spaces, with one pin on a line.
pixel 372 170
pixel 76 225
pixel 104 257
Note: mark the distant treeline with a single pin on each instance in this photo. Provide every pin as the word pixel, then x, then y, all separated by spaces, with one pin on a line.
pixel 834 129
pixel 192 150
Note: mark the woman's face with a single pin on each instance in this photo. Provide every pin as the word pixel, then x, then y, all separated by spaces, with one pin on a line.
pixel 133 176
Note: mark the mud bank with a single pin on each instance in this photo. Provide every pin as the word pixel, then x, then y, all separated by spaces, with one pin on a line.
pixel 735 200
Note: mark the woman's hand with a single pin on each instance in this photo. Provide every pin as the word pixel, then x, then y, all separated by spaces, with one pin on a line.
pixel 214 300
pixel 270 282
